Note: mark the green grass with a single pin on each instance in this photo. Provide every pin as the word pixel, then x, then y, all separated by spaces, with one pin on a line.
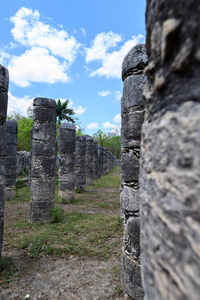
pixel 79 233
pixel 108 181
pixel 8 270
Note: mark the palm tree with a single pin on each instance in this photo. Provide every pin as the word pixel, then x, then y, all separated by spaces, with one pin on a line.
pixel 63 112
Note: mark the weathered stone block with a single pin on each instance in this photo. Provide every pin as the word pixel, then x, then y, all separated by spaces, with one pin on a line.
pixel 3 105
pixel 40 210
pixel 132 92
pixel 129 167
pixel 43 148
pixel 4 78
pixel 129 199
pixel 131 277
pixel 44 132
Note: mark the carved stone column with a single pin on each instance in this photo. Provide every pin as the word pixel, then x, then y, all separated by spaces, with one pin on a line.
pixel 11 159
pixel 80 169
pixel 132 113
pixel 43 159
pixel 4 82
pixel 170 153
pixel 66 145
pixel 89 159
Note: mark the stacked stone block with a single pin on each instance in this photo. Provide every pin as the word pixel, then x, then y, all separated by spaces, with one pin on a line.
pixel 43 159
pixel 4 82
pixel 89 159
pixel 66 146
pixel 170 160
pixel 100 161
pixel 11 160
pixel 23 161
pixel 132 113
pixel 95 160
pixel 80 169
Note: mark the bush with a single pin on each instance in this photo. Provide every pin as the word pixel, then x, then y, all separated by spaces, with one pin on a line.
pixel 57 214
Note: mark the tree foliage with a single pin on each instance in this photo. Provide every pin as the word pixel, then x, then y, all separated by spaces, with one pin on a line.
pixel 24 127
pixel 111 142
pixel 63 112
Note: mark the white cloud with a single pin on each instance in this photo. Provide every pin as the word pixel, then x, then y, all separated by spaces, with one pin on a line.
pixel 30 31
pixel 93 125
pixel 19 104
pixel 103 93
pixel 117 118
pixel 36 65
pixel 109 125
pixel 118 95
pixel 79 110
pixel 83 31
pixel 102 49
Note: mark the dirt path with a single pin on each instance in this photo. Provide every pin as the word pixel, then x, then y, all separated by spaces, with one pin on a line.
pixel 72 276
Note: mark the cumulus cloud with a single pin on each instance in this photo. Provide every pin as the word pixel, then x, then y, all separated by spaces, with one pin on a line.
pixel 36 65
pixel 103 93
pixel 109 125
pixel 83 31
pixel 117 118
pixel 31 32
pixel 93 125
pixel 19 104
pixel 79 110
pixel 105 49
pixel 118 95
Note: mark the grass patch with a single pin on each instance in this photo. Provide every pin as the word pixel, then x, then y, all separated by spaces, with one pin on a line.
pixel 8 270
pixel 78 233
pixel 111 180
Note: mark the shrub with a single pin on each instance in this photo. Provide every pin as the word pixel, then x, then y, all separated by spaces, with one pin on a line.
pixel 57 214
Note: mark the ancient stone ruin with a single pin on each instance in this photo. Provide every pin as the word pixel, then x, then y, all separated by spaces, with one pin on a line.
pixel 4 82
pixel 11 159
pixel 132 113
pixel 169 172
pixel 43 160
pixel 80 170
pixel 66 146
pixel 88 160
pixel 169 167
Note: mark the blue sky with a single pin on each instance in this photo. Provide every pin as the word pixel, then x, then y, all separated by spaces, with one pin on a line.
pixel 70 50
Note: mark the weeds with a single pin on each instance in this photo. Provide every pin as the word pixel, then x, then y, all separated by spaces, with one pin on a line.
pixel 8 270
pixel 57 214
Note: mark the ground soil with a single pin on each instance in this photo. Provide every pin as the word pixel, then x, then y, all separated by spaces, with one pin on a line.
pixel 72 277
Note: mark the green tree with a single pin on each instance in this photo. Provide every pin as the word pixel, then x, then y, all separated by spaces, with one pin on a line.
pixel 63 112
pixel 110 141
pixel 24 127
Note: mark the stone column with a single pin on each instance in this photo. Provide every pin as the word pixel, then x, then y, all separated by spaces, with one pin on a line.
pixel 170 153
pixel 80 169
pixel 43 159
pixel 132 113
pixel 89 159
pixel 66 146
pixel 100 160
pixel 95 160
pixel 104 160
pixel 4 82
pixel 11 160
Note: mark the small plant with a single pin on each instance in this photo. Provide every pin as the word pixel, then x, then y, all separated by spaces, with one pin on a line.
pixel 57 214
pixel 8 270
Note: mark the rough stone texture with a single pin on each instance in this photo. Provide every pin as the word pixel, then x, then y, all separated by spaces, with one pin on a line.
pixel 11 159
pixel 95 160
pixel 4 81
pixel 43 159
pixel 80 169
pixel 88 159
pixel 169 169
pixel 23 161
pixel 66 146
pixel 132 113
